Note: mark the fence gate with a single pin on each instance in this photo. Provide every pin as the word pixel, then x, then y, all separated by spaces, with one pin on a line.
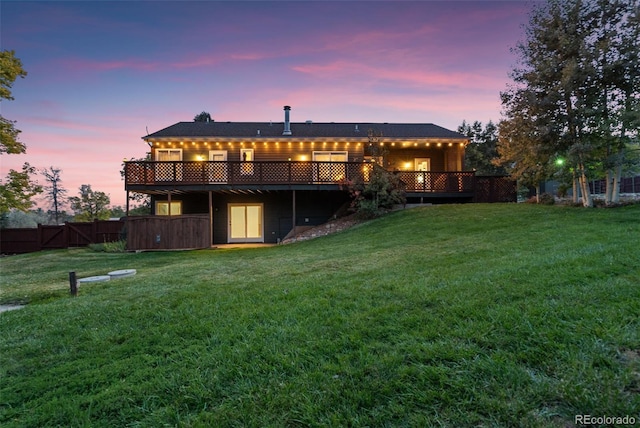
pixel 48 237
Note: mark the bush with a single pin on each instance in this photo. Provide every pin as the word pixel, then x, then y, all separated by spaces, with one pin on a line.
pixel 374 198
pixel 109 247
pixel 543 199
pixel 547 199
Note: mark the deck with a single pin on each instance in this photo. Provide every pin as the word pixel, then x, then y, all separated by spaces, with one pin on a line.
pixel 156 176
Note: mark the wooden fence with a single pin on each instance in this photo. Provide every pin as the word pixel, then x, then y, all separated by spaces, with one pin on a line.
pixel 495 189
pixel 46 237
pixel 627 185
pixel 164 232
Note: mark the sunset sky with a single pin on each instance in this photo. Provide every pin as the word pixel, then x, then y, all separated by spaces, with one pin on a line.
pixel 100 73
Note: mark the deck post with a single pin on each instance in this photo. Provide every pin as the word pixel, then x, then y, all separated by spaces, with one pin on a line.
pixel 127 213
pixel 210 218
pixel 293 215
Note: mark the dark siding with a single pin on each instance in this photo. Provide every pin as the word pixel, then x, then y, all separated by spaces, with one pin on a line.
pixel 192 203
pixel 270 152
pixel 397 158
pixel 312 208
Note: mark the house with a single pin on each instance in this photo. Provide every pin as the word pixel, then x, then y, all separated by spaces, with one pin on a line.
pixel 258 181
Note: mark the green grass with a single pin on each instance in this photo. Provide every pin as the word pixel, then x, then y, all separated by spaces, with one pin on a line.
pixel 462 315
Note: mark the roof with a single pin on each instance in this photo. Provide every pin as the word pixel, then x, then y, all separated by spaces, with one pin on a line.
pixel 303 130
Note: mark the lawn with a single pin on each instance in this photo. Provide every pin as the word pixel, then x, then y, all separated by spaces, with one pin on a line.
pixel 453 315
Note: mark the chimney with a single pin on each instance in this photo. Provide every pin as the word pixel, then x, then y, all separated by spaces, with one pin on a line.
pixel 287 124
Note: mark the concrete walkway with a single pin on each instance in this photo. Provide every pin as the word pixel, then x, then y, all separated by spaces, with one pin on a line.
pixel 242 245
pixel 5 308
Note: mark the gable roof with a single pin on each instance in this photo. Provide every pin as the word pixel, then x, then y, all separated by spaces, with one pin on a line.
pixel 303 130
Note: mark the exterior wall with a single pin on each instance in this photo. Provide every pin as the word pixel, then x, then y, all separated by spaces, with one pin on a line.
pixel 312 208
pixel 397 158
pixel 442 158
pixel 263 151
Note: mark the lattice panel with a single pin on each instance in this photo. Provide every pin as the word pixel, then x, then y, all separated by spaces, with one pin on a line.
pixel 138 173
pixel 419 181
pixel 168 171
pixel 495 189
pixel 276 173
pixel 301 172
pixel 439 182
pixel 329 172
pixel 193 172
pixel 216 172
pixel 361 172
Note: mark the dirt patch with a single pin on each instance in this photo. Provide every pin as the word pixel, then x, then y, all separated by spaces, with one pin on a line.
pixel 333 226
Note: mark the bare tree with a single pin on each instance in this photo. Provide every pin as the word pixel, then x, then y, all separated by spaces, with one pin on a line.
pixel 53 190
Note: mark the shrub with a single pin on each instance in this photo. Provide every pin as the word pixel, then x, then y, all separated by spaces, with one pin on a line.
pixel 109 247
pixel 115 246
pixel 374 198
pixel 543 199
pixel 98 248
pixel 547 199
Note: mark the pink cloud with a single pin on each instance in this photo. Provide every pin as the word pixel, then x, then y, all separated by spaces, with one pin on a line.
pixel 411 76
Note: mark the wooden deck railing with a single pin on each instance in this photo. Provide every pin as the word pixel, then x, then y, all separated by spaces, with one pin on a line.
pixel 183 173
pixel 437 182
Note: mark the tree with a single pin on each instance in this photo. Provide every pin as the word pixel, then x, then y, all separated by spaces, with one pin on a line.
pixel 23 219
pixel 90 204
pixel 482 150
pixel 17 189
pixel 616 94
pixel 53 191
pixel 575 93
pixel 202 117
pixel 117 211
pixel 378 195
pixel 10 70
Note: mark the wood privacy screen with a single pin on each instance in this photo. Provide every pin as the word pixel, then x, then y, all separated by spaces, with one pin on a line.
pixel 164 232
pixel 495 189
pixel 27 240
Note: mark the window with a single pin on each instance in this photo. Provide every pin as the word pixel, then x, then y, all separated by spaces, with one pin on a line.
pixel 216 169
pixel 169 171
pixel 330 166
pixel 162 208
pixel 165 155
pixel 422 177
pixel 246 155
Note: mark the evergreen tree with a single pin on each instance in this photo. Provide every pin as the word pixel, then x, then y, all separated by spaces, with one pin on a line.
pixel 202 117
pixel 481 152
